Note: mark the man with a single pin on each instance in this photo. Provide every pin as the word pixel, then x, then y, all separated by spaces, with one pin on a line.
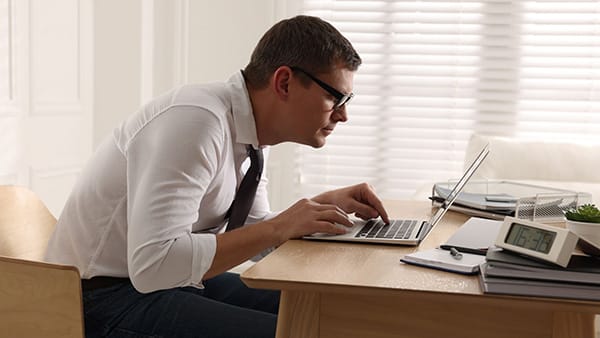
pixel 149 223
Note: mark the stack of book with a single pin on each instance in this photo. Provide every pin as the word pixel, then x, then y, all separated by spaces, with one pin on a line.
pixel 511 274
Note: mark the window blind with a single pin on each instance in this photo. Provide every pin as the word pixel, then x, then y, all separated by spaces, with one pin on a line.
pixel 434 72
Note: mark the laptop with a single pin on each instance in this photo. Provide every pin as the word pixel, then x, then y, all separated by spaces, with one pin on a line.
pixel 402 231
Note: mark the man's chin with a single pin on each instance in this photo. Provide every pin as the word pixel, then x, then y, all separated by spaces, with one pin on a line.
pixel 314 142
pixel 318 143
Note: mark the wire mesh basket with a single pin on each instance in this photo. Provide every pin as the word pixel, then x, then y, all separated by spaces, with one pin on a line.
pixel 548 207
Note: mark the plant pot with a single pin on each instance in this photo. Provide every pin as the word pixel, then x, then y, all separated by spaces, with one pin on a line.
pixel 589 231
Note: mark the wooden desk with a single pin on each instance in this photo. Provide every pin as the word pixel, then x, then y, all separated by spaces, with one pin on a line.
pixel 362 290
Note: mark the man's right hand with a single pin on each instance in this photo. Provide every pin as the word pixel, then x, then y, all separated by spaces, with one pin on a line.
pixel 307 217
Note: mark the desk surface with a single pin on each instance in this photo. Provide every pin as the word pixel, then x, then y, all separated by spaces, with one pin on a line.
pixel 302 267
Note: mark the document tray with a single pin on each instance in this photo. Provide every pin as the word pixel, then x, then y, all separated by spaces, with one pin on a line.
pixel 496 199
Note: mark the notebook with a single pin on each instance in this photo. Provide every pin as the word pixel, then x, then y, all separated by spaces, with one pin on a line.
pixel 402 231
pixel 440 259
pixel 475 236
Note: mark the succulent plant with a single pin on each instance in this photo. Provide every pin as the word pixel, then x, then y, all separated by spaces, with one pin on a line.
pixel 584 213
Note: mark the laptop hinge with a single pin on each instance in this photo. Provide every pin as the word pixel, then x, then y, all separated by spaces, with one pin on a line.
pixel 424 230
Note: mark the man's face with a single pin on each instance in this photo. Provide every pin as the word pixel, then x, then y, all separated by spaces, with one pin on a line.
pixel 315 117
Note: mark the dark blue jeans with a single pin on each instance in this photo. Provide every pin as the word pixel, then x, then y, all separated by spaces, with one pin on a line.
pixel 225 308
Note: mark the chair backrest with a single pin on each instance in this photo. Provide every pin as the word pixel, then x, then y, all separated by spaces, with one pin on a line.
pixel 25 224
pixel 37 299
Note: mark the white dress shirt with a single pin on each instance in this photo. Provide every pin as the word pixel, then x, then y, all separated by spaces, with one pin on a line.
pixel 151 199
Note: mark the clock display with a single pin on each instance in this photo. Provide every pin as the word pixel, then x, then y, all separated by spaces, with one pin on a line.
pixel 531 238
pixel 537 240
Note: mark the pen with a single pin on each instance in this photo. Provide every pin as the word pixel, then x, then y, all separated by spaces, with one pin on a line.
pixel 455 254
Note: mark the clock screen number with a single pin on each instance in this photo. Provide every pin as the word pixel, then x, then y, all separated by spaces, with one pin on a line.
pixel 530 238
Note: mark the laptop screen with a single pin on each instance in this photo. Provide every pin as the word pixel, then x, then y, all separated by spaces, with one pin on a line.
pixel 459 186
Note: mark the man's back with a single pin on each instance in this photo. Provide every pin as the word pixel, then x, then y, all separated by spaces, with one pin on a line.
pixel 92 231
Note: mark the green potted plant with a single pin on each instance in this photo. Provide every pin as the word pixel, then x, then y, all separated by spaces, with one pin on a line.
pixel 587 213
pixel 584 221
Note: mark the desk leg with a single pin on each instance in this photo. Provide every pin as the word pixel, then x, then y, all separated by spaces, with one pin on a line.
pixel 299 314
pixel 569 324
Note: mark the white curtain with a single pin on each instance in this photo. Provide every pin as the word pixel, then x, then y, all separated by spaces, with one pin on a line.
pixel 434 72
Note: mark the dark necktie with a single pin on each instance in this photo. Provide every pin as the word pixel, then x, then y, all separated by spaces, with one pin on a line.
pixel 244 197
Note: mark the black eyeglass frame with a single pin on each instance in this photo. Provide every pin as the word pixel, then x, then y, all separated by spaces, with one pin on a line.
pixel 340 98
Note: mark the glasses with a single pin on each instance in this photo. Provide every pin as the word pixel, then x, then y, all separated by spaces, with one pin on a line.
pixel 340 99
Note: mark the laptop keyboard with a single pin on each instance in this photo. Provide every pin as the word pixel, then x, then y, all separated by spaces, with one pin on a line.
pixel 399 229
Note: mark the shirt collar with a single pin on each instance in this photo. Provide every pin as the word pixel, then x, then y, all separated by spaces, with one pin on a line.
pixel 243 117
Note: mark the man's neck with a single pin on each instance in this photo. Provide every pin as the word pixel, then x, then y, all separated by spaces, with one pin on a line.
pixel 264 108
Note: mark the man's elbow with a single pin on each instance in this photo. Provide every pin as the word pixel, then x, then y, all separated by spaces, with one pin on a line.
pixel 143 279
pixel 159 266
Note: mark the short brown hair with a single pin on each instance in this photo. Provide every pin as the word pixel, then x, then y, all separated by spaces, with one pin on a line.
pixel 303 41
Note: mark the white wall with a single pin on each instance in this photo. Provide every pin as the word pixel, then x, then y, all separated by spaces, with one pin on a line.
pixel 223 35
pixel 117 28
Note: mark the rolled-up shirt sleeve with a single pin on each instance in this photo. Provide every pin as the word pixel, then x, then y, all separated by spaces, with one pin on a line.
pixel 170 165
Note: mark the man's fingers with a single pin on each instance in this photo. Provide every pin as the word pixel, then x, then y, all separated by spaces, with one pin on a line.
pixel 335 216
pixel 377 205
pixel 331 228
pixel 371 208
pixel 366 211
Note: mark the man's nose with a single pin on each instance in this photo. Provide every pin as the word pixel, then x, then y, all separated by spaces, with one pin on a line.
pixel 339 115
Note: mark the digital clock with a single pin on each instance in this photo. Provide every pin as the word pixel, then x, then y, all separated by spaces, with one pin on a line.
pixel 536 240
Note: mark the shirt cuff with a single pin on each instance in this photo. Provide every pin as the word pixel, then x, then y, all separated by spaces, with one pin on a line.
pixel 204 248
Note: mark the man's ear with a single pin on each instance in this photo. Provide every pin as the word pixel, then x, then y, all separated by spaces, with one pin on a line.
pixel 280 82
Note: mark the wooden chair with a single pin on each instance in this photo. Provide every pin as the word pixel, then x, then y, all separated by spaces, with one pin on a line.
pixel 37 299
